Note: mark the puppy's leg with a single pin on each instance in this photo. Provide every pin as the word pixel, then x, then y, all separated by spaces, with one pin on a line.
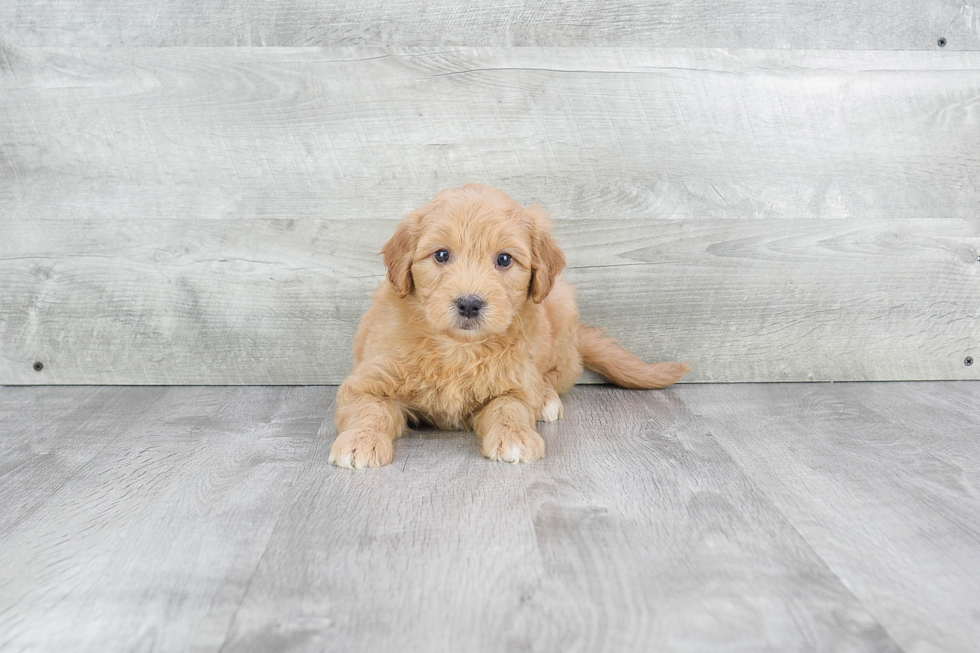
pixel 506 426
pixel 567 370
pixel 367 426
pixel 552 409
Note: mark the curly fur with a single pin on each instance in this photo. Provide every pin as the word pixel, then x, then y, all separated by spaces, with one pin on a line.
pixel 417 360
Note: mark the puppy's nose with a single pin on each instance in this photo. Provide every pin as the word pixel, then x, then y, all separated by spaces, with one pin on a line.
pixel 469 306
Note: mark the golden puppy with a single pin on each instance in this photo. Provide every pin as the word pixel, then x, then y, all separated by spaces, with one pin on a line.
pixel 475 327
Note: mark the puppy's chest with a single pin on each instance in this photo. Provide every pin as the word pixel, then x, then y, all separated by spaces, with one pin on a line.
pixel 449 392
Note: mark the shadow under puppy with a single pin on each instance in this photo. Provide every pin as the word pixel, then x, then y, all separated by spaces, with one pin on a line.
pixel 475 327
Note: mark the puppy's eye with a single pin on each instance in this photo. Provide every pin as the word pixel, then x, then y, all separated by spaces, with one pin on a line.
pixel 441 256
pixel 504 260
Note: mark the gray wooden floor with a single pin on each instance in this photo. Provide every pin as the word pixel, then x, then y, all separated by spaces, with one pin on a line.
pixel 830 517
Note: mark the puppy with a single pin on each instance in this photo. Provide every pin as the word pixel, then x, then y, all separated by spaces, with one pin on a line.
pixel 474 328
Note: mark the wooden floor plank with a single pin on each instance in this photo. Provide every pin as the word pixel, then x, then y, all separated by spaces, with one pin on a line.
pixel 435 552
pixel 963 399
pixel 151 545
pixel 898 524
pixel 943 418
pixel 703 518
pixel 48 434
pixel 652 538
pixel 636 533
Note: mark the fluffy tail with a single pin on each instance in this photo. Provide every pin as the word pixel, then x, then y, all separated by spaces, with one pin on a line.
pixel 604 355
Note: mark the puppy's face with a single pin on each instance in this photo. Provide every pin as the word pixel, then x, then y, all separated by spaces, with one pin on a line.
pixel 473 257
pixel 472 270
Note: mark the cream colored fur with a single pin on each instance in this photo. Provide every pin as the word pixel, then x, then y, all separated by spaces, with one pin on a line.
pixel 418 360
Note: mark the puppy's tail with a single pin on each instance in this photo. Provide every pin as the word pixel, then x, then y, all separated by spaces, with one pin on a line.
pixel 604 355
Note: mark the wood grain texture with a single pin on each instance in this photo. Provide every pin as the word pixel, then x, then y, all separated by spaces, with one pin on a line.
pixel 830 517
pixel 882 493
pixel 875 24
pixel 150 545
pixel 47 436
pixel 635 533
pixel 960 396
pixel 278 301
pixel 770 215
pixel 951 409
pixel 652 538
pixel 435 552
pixel 353 133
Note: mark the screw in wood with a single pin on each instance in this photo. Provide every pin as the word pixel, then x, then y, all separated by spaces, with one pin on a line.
pixel 38 366
pixel 942 42
pixel 968 361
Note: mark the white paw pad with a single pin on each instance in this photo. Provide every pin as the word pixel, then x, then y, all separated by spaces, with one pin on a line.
pixel 513 454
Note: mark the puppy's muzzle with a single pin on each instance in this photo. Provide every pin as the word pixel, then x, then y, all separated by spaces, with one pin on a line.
pixel 468 308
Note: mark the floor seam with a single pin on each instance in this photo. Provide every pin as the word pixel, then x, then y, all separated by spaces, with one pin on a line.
pixel 272 532
pixel 818 556
pixel 710 429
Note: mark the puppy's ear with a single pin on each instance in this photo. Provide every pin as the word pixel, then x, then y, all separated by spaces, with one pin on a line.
pixel 398 253
pixel 547 259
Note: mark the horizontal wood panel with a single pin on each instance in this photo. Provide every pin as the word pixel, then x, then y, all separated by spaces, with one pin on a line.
pixel 875 24
pixel 278 301
pixel 210 215
pixel 591 133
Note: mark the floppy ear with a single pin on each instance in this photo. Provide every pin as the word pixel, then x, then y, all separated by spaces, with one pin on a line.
pixel 398 253
pixel 547 259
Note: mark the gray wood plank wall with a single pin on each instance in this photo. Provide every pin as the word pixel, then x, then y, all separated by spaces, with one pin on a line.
pixel 788 194
pixel 831 24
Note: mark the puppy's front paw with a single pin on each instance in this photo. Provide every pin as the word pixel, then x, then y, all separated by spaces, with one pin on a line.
pixel 552 411
pixel 513 446
pixel 360 448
